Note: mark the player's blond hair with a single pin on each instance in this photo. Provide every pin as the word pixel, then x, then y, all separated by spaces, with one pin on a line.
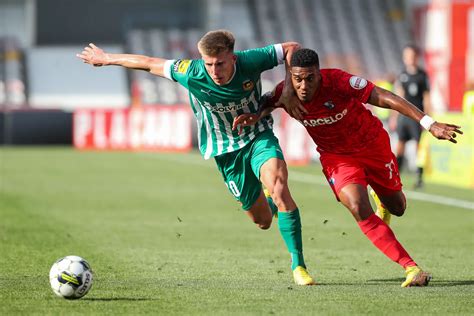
pixel 216 42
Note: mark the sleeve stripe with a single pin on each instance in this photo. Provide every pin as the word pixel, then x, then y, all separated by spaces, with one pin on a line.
pixel 280 53
pixel 167 68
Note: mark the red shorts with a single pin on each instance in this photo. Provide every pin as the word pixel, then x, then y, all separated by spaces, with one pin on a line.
pixel 375 166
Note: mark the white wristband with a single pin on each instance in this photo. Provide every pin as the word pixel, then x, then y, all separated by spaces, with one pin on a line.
pixel 426 121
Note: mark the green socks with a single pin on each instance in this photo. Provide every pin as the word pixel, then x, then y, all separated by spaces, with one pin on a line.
pixel 290 229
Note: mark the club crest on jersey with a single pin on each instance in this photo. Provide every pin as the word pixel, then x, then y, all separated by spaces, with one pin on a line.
pixel 329 105
pixel 248 85
pixel 357 82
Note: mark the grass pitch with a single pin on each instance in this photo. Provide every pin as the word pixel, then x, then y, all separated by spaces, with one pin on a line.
pixel 164 236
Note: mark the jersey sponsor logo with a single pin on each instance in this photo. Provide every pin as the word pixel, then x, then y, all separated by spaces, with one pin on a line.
pixel 325 120
pixel 329 104
pixel 227 108
pixel 181 65
pixel 248 85
pixel 357 82
pixel 232 106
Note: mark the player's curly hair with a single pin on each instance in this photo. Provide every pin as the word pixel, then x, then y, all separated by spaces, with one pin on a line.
pixel 304 57
pixel 216 42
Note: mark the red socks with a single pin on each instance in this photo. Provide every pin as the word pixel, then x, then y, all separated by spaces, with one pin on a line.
pixel 383 238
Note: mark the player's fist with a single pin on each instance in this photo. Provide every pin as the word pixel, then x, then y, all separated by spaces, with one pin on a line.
pixel 93 55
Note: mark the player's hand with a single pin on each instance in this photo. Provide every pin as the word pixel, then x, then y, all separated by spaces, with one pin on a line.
pixel 243 120
pixel 291 103
pixel 93 55
pixel 445 131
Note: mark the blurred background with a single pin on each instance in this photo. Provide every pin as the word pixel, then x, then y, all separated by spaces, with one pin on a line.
pixel 48 96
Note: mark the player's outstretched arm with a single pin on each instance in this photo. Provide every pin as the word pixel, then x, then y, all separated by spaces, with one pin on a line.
pixel 97 57
pixel 386 99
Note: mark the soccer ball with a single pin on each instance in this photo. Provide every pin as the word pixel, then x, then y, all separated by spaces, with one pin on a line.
pixel 71 277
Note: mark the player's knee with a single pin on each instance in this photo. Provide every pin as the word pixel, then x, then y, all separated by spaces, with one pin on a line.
pixel 359 210
pixel 263 219
pixel 398 211
pixel 399 207
pixel 355 207
pixel 264 224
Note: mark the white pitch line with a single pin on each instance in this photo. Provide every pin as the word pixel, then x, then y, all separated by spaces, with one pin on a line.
pixel 319 180
pixel 439 199
pixel 425 197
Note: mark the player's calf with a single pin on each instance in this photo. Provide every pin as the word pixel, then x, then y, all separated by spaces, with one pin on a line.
pixel 260 213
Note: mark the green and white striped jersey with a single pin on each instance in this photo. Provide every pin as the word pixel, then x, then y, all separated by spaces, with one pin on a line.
pixel 215 107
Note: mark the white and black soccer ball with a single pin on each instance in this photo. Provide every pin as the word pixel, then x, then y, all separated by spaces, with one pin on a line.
pixel 71 277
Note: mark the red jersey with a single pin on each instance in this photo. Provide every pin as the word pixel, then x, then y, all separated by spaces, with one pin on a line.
pixel 337 119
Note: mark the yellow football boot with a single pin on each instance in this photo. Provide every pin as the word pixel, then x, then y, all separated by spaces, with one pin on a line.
pixel 416 277
pixel 273 208
pixel 381 212
pixel 302 277
pixel 267 193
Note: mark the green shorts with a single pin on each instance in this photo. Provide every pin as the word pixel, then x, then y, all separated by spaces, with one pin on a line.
pixel 241 168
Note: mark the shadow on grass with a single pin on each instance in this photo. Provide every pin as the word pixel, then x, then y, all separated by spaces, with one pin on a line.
pixel 386 280
pixel 433 283
pixel 114 299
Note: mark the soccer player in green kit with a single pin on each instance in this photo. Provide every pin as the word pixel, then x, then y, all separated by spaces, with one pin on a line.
pixel 223 85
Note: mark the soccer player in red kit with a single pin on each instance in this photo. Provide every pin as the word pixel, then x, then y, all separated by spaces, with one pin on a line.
pixel 354 147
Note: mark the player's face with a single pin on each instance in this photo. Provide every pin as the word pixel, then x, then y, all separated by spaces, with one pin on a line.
pixel 306 81
pixel 220 67
pixel 410 57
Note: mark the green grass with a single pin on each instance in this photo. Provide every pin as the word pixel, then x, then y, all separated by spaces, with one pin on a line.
pixel 164 236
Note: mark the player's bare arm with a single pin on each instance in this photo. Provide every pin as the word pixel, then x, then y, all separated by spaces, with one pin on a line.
pixel 97 57
pixel 288 95
pixel 386 99
pixel 393 118
pixel 427 103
